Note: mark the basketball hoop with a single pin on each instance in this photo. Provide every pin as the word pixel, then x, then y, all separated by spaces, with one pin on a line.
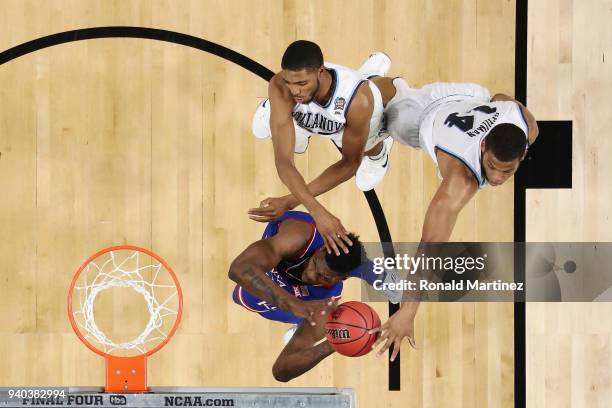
pixel 143 284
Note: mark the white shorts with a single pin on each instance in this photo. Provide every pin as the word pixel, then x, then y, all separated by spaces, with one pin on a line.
pixel 405 112
pixel 376 134
pixel 261 125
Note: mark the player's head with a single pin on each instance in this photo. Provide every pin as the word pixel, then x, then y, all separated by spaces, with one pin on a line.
pixel 302 66
pixel 502 151
pixel 329 269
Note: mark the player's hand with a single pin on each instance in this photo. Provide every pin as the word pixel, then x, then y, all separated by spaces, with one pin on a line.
pixel 398 326
pixel 313 310
pixel 271 208
pixel 333 232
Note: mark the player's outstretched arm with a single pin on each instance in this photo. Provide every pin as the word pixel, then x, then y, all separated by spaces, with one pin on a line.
pixel 455 191
pixel 283 140
pixel 532 123
pixel 249 271
pixel 301 354
pixel 354 141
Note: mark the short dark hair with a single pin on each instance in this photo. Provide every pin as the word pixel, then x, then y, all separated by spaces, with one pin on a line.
pixel 302 54
pixel 343 264
pixel 507 142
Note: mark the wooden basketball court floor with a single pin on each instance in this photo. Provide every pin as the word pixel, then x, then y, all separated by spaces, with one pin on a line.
pixel 113 141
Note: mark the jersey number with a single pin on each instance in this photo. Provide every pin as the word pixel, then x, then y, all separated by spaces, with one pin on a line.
pixel 466 123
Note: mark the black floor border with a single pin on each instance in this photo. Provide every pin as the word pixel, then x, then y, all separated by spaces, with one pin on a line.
pixel 385 237
pixel 212 48
pixel 520 92
pixel 136 32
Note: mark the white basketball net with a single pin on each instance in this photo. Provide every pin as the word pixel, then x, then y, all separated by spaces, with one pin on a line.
pixel 112 273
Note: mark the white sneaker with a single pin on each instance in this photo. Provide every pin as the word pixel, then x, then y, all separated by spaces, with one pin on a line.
pixel 377 64
pixel 261 121
pixel 289 334
pixel 371 172
pixel 261 127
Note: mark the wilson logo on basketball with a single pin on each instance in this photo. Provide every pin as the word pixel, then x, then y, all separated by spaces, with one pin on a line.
pixel 339 333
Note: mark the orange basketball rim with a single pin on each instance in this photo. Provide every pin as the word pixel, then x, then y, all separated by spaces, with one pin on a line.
pixel 146 273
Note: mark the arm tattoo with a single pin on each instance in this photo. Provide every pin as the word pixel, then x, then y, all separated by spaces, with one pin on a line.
pixel 261 286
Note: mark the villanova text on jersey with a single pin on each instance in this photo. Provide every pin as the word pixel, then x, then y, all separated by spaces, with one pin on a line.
pixel 316 122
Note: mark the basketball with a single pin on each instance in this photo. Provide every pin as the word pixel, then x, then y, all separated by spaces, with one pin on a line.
pixel 347 329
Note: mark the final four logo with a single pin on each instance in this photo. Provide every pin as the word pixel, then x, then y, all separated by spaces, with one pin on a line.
pixel 339 103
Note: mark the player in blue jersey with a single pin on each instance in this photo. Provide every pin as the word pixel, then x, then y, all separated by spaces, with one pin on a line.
pixel 289 277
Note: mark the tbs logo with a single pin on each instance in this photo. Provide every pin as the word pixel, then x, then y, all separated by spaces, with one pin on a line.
pixel 118 400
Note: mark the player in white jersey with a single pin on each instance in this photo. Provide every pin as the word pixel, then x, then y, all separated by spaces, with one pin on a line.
pixel 475 141
pixel 309 96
